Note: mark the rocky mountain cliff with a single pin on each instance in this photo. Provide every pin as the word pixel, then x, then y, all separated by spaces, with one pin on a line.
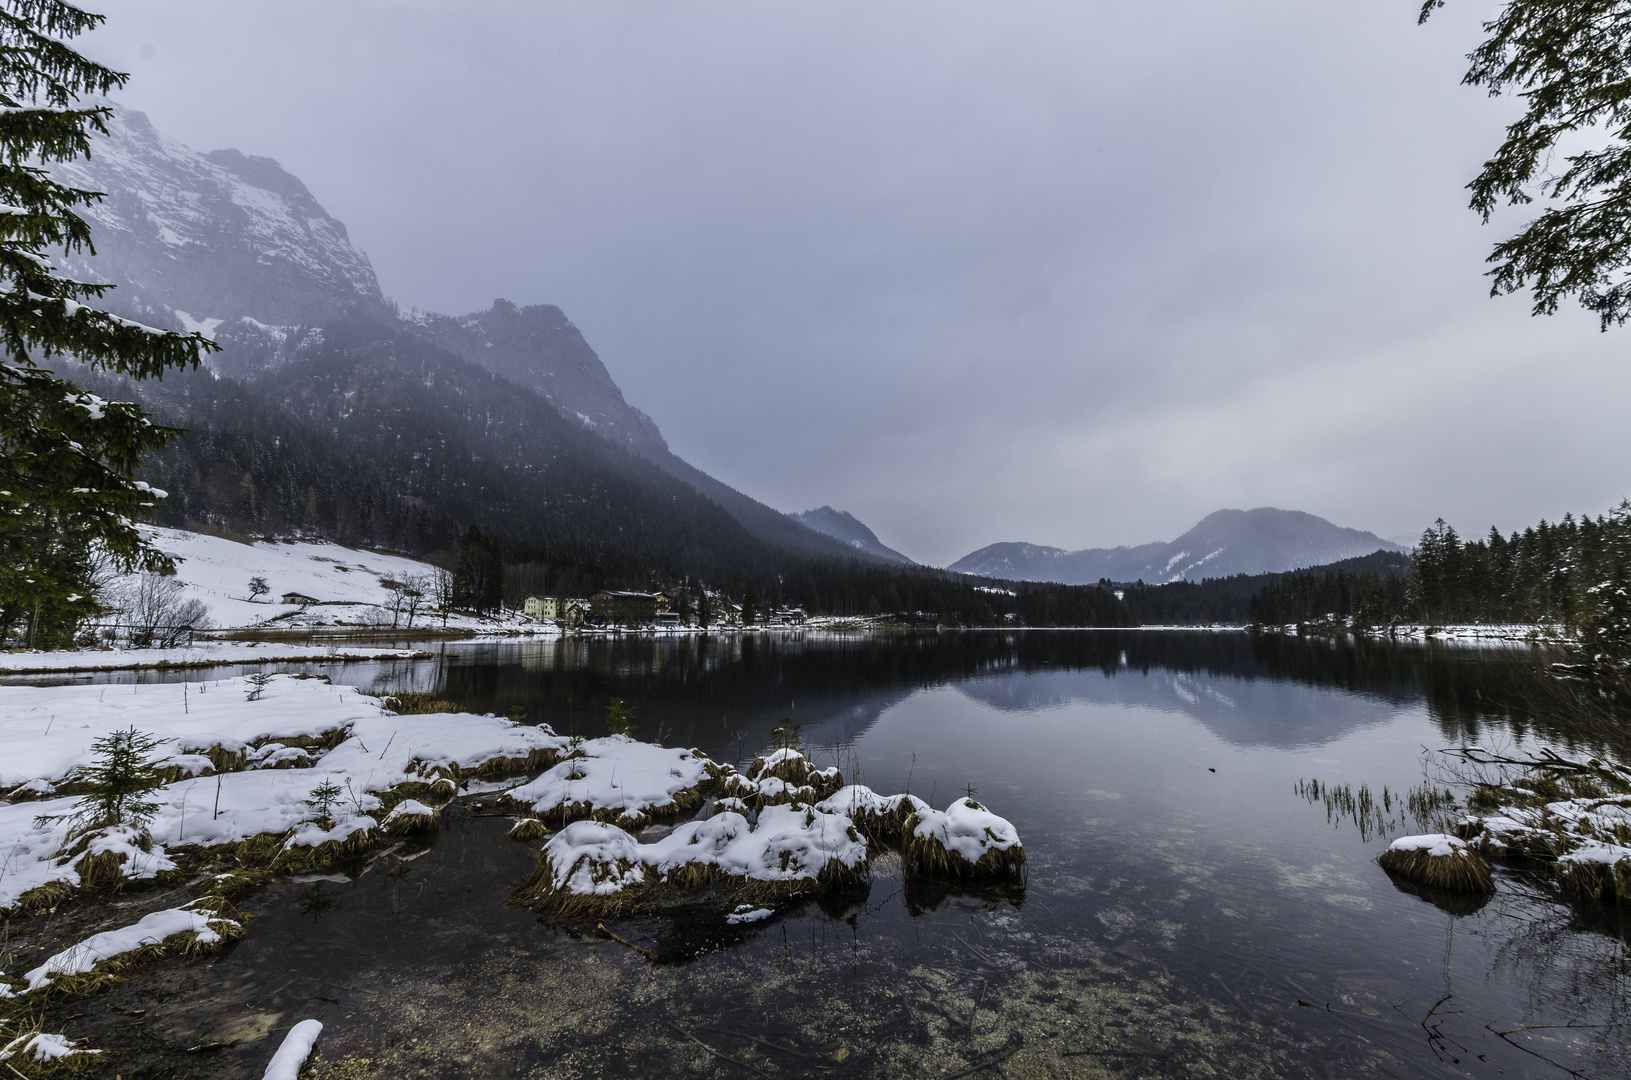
pixel 1265 540
pixel 237 248
pixel 194 241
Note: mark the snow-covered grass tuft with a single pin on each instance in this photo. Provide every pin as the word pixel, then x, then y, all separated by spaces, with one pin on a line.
pixel 56 1053
pixel 881 817
pixel 1439 862
pixel 191 931
pixel 528 830
pixel 1568 819
pixel 964 840
pixel 1597 871
pixel 613 779
pixel 595 868
pixel 411 817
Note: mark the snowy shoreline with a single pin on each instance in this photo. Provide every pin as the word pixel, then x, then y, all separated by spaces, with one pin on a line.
pixel 206 654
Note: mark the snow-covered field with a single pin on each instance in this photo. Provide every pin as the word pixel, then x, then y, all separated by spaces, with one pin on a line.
pixel 247 757
pixel 345 582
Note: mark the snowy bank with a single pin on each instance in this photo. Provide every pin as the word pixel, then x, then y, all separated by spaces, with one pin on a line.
pixel 203 654
pixel 244 770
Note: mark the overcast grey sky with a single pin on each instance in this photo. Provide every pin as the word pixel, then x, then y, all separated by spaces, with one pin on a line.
pixel 1063 271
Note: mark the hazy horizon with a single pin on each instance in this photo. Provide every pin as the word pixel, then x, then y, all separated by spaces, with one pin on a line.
pixel 1053 273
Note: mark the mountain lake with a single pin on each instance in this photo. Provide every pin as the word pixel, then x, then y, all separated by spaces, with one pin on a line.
pixel 1186 912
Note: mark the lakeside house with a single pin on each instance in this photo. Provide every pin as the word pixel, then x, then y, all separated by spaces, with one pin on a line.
pixel 566 609
pixel 622 608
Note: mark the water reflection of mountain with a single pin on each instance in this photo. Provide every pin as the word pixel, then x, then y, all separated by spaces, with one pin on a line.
pixel 1245 712
pixel 721 692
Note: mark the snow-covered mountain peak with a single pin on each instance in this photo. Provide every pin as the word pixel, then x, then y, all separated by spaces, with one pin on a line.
pixel 220 235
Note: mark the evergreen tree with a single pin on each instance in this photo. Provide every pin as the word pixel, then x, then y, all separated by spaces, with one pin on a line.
pixel 67 458
pixel 119 782
pixel 478 574
pixel 1569 61
pixel 1605 631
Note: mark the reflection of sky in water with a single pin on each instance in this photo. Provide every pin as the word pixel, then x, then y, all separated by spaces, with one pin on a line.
pixel 1251 712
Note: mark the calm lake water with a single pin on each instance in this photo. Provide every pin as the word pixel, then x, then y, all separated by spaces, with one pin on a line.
pixel 1187 913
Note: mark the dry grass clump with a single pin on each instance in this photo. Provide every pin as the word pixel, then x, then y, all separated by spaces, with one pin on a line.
pixel 834 876
pixel 45 897
pixel 30 790
pixel 885 828
pixel 103 870
pixel 75 1062
pixel 419 702
pixel 412 824
pixel 258 850
pixel 225 760
pixel 528 830
pixel 299 859
pixel 1461 870
pixel 233 884
pixel 1596 881
pixel 795 770
pixel 537 891
pixel 536 761
pixel 926 853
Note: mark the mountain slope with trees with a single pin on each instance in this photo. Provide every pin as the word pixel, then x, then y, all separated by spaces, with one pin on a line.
pixel 236 247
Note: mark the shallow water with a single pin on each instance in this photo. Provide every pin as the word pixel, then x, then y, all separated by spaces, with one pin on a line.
pixel 1186 912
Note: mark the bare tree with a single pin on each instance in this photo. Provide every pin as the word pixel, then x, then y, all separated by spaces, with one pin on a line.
pixel 258 587
pixel 156 612
pixel 413 594
pixel 442 592
pixel 393 590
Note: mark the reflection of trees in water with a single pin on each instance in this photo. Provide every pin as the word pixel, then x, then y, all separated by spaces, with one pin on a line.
pixel 707 689
pixel 1570 961
pixel 1515 693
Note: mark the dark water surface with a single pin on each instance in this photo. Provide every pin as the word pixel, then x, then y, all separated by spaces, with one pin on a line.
pixel 1186 912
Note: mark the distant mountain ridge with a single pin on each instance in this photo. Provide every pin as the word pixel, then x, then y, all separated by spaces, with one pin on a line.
pixel 1261 541
pixel 844 526
pixel 237 248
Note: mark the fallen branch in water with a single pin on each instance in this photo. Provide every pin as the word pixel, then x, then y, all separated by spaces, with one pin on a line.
pixel 716 1053
pixel 647 953
pixel 986 1060
pixel 767 1044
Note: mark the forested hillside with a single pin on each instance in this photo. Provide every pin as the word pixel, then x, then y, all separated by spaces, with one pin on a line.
pixel 1551 572
pixel 385 440
pixel 1236 599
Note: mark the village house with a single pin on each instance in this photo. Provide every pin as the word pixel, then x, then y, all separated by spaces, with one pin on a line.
pixel 618 608
pixel 299 598
pixel 567 609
